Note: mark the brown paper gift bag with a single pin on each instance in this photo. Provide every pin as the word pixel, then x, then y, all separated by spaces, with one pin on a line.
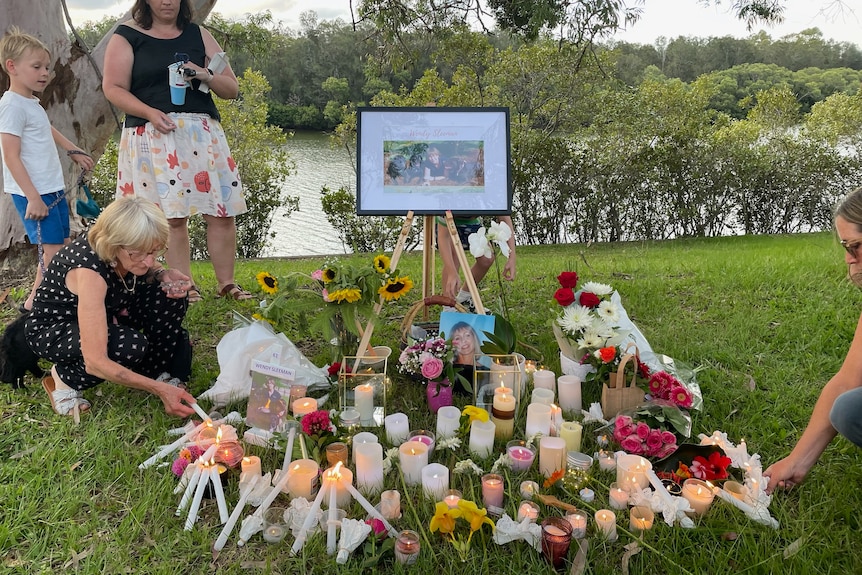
pixel 616 394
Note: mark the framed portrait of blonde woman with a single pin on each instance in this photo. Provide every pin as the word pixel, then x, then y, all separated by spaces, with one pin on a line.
pixel 432 159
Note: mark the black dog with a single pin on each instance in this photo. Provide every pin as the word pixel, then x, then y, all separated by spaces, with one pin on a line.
pixel 16 357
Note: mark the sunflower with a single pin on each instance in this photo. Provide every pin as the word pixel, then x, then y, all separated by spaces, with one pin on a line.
pixel 329 274
pixel 268 282
pixel 349 295
pixel 394 288
pixel 381 264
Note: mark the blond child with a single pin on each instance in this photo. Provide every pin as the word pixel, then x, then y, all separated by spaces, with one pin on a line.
pixel 32 173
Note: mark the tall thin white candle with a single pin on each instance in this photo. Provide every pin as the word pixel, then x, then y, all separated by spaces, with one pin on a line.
pixel 310 518
pixel 199 495
pixel 215 478
pixel 190 489
pixel 168 449
pixel 221 541
pixel 370 509
pixel 199 410
pixel 288 451
pixel 332 477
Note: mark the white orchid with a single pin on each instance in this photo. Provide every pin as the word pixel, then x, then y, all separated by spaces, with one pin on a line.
pixel 480 240
pixel 500 233
pixel 480 247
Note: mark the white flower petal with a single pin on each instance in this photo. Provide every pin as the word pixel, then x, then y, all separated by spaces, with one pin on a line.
pixel 597 288
pixel 479 245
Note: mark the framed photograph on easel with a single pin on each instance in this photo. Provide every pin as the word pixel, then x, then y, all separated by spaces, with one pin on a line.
pixel 429 160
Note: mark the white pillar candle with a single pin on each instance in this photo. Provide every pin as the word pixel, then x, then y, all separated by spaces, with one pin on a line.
pixel 571 432
pixel 448 420
pixel 368 458
pixel 619 497
pixel 397 428
pixel 364 395
pixel 365 437
pixel 538 419
pixel 542 395
pixel 552 455
pixel 631 471
pixel 641 519
pixel 482 438
pixel 544 379
pixel 503 413
pixel 413 456
pixel 435 481
pixel 606 521
pixel 698 494
pixel 492 491
pixel 304 406
pixel 569 393
pixel 303 478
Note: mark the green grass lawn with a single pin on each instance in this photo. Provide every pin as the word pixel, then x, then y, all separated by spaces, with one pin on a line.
pixel 767 319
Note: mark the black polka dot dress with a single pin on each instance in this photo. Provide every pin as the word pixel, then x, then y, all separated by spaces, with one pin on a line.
pixel 145 332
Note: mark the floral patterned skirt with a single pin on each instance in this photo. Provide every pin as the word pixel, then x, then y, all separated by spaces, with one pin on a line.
pixel 186 172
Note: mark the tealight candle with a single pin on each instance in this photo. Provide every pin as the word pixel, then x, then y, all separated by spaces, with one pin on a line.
pixel 528 510
pixel 492 491
pixel 413 456
pixel 528 489
pixel 407 547
pixel 606 521
pixel 569 393
pixel 368 458
pixel 578 521
pixel 435 481
pixel 448 420
pixel 424 436
pixel 520 455
pixel 552 455
pixel 538 420
pixel 641 519
pixel 698 494
pixel 397 428
pixel 607 460
pixel 571 432
pixel 587 494
pixel 544 379
pixel 619 497
pixel 304 406
pixel 364 397
pixel 482 438
pixel 451 498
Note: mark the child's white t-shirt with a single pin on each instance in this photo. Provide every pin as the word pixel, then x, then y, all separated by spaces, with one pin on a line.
pixel 24 117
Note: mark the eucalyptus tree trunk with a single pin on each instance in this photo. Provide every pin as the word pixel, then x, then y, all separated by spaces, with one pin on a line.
pixel 73 99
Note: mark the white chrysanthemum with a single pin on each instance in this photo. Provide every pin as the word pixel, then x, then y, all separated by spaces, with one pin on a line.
pixel 452 443
pixel 503 461
pixel 467 466
pixel 392 453
pixel 387 466
pixel 609 312
pixel 602 329
pixel 479 245
pixel 500 233
pixel 575 319
pixel 591 340
pixel 597 288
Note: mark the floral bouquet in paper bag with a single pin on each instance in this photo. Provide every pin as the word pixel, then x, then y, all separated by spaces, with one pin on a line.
pixel 651 429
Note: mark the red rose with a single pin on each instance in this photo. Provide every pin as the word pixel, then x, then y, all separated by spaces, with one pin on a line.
pixel 564 296
pixel 568 279
pixel 333 369
pixel 608 354
pixel 589 299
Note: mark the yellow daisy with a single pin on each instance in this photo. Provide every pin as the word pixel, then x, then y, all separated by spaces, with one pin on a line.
pixel 394 288
pixel 381 264
pixel 268 282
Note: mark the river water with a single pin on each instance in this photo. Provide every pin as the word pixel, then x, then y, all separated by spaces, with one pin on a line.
pixel 307 232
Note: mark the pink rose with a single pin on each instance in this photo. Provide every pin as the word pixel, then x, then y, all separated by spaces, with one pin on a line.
pixel 653 440
pixel 378 528
pixel 628 429
pixel 668 437
pixel 432 368
pixel 631 444
pixel 642 430
pixel 622 420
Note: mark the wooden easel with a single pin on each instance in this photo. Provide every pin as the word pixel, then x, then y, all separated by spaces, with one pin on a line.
pixel 428 249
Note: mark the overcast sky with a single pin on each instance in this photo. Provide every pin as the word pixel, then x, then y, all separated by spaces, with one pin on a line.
pixel 669 18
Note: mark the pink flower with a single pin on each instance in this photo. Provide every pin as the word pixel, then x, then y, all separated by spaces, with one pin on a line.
pixel 631 444
pixel 666 450
pixel 621 421
pixel 653 440
pixel 642 430
pixel 316 422
pixel 432 368
pixel 325 295
pixel 378 528
pixel 628 429
pixel 317 275
pixel 179 466
pixel 681 396
pixel 668 437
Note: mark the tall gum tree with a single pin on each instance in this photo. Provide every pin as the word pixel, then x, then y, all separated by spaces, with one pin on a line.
pixel 74 101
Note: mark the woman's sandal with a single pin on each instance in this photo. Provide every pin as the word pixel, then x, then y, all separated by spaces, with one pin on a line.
pixel 194 294
pixel 65 401
pixel 235 291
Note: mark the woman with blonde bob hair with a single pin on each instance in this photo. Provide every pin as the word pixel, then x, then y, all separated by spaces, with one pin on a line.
pixel 108 310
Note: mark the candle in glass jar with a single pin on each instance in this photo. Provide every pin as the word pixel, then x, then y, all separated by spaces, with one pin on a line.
pixel 528 489
pixel 451 498
pixel 413 456
pixel 336 452
pixel 424 436
pixel 520 455
pixel 492 491
pixel 578 521
pixel 364 395
pixel 556 539
pixel 303 478
pixel 407 547
pixel 435 481
pixel 304 406
pixel 528 510
pixel 390 504
pixel 606 521
pixel 736 489
pixel 631 472
pixel 607 460
pixel 698 494
pixel 619 497
pixel 641 519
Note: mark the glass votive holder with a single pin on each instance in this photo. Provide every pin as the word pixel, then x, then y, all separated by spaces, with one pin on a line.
pixel 451 498
pixel 736 489
pixel 340 515
pixel 350 420
pixel 274 526
pixel 618 497
pixel 672 486
pixel 528 510
pixel 336 452
pixel 521 455
pixel 607 461
pixel 528 489
pixel 425 436
pixel 578 521
pixel 407 547
pixel 556 538
pixel 641 519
